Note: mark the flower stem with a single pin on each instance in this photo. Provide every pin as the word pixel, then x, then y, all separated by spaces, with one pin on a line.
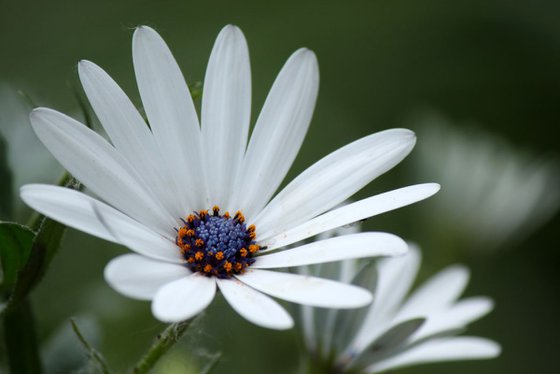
pixel 164 341
pixel 21 340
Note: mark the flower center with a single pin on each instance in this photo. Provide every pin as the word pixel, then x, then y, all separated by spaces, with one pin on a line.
pixel 217 245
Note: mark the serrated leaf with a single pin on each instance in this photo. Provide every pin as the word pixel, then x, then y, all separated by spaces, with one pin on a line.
pixel 15 246
pixel 6 178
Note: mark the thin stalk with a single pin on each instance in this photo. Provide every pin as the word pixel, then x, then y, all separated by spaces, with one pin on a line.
pixel 93 355
pixel 164 342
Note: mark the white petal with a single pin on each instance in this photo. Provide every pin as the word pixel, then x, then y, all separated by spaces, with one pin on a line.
pixel 456 317
pixel 278 133
pixel 255 306
pixel 184 298
pixel 80 211
pixel 139 277
pixel 351 213
pixel 306 290
pixel 129 133
pixel 94 162
pixel 135 236
pixel 345 247
pixel 226 110
pixel 171 113
pixel 437 350
pixel 438 292
pixel 333 179
pixel 70 207
pixel 395 277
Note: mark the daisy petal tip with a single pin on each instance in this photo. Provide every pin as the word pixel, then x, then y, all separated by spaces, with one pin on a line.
pixel 494 349
pixel 282 325
pixel 307 58
pixel 436 187
pixel 143 28
pixel 362 297
pixel 461 271
pixel 83 65
pixel 163 315
pixel 410 137
pixel 143 33
pixel 482 348
pixel 399 245
pixel 36 113
pixel 231 30
pixel 356 297
pixel 402 249
pixel 490 304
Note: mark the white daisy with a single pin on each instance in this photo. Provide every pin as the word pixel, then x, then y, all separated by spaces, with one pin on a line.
pixel 396 330
pixel 166 191
pixel 492 188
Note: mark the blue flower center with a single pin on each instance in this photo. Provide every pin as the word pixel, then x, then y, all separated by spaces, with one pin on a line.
pixel 217 245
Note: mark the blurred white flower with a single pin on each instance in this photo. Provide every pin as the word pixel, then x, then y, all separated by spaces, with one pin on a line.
pixel 165 191
pixel 28 159
pixel 494 194
pixel 396 330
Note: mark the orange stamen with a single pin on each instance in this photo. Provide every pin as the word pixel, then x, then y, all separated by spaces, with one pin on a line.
pixel 254 248
pixel 227 266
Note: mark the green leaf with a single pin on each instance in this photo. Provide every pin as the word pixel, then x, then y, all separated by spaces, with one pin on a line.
pixel 15 246
pixel 6 192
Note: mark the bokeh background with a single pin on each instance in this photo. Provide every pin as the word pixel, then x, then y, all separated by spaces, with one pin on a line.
pixel 478 80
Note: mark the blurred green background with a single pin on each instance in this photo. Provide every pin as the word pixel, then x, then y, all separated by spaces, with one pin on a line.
pixel 488 65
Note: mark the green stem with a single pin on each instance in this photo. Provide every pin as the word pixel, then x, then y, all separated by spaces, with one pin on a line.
pixel 21 340
pixel 165 341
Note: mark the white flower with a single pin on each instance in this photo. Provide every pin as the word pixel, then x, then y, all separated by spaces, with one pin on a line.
pixel 492 189
pixel 164 190
pixel 28 160
pixel 396 330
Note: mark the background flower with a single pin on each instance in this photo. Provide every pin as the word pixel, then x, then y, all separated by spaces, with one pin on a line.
pixel 495 194
pixel 396 330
